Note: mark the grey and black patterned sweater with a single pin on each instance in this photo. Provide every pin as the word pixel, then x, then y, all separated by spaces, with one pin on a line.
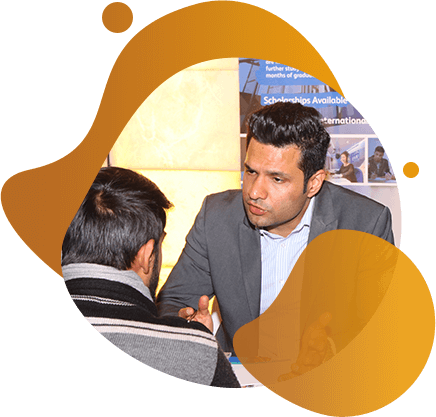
pixel 120 307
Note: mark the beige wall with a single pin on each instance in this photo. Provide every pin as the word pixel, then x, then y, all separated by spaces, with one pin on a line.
pixel 185 138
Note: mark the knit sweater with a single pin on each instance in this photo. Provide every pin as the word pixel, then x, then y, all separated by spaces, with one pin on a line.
pixel 120 307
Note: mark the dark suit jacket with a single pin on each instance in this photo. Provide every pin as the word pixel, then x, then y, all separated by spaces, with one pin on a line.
pixel 222 255
pixel 382 169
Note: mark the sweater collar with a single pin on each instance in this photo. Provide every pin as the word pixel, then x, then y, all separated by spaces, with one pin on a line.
pixel 84 270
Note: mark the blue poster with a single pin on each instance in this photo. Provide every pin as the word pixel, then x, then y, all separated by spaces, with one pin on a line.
pixel 264 83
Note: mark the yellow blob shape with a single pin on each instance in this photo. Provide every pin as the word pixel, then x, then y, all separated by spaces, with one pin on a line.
pixel 411 170
pixel 358 307
pixel 117 17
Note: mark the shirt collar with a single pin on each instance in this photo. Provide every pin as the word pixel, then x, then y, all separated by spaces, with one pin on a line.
pixel 84 270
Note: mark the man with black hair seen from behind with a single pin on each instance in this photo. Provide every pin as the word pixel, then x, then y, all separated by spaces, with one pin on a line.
pixel 111 259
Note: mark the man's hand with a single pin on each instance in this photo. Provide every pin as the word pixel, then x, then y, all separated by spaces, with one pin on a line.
pixel 389 176
pixel 314 346
pixel 201 315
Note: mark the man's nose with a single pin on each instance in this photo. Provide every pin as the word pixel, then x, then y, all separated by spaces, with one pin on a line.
pixel 258 189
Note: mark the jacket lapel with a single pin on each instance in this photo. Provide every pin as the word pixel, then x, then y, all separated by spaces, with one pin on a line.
pixel 323 218
pixel 250 255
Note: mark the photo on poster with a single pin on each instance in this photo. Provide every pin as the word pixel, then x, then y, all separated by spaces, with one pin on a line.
pixel 379 168
pixel 345 161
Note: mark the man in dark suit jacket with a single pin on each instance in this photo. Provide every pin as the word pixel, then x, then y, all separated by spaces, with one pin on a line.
pixel 378 167
pixel 283 183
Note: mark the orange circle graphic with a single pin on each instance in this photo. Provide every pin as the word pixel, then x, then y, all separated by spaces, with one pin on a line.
pixel 117 17
pixel 411 170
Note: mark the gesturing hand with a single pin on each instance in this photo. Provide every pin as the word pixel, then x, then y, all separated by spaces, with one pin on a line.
pixel 313 350
pixel 201 315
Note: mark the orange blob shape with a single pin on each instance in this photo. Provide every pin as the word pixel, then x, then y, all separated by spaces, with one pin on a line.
pixel 40 203
pixel 350 331
pixel 117 17
pixel 411 170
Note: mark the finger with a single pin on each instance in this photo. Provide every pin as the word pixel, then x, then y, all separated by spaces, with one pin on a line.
pixel 325 319
pixel 312 358
pixel 203 305
pixel 318 345
pixel 295 368
pixel 321 323
pixel 186 312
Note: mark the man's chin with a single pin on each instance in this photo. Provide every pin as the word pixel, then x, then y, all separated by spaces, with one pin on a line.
pixel 258 222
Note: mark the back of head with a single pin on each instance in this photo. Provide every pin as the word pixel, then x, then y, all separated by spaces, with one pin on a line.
pixel 121 212
pixel 285 124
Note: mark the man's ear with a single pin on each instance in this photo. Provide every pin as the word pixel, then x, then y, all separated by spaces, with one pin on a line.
pixel 145 257
pixel 315 183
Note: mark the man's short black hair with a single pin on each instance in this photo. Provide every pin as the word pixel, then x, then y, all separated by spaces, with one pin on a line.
pixel 379 149
pixel 121 212
pixel 284 124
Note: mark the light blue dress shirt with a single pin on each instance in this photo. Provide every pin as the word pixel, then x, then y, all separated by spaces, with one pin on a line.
pixel 279 255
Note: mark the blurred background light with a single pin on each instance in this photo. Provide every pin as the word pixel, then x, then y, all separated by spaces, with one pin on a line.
pixel 186 138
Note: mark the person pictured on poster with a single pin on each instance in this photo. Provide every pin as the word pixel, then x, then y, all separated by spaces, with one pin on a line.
pixel 378 167
pixel 347 169
pixel 348 164
pixel 331 163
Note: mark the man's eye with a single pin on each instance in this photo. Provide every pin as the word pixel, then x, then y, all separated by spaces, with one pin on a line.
pixel 277 180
